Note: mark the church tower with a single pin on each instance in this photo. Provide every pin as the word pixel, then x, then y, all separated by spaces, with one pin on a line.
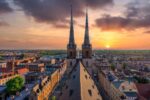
pixel 86 46
pixel 87 49
pixel 71 47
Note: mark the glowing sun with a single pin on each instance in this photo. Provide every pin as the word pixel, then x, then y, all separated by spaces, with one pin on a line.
pixel 107 46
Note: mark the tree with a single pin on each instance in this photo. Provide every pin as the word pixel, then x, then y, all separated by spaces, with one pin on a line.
pixel 15 84
pixel 53 97
pixel 112 67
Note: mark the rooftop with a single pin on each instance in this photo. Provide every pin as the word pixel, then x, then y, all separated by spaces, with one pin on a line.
pixel 80 85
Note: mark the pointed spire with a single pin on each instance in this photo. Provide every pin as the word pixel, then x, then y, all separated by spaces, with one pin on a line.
pixel 86 36
pixel 71 38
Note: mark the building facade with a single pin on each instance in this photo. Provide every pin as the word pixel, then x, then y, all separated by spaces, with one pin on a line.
pixel 6 77
pixel 43 90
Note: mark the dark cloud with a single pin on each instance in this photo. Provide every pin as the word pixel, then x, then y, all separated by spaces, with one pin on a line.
pixel 55 11
pixel 4 7
pixel 112 23
pixel 136 16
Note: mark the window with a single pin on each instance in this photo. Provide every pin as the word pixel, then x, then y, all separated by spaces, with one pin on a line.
pixel 86 76
pixel 38 91
pixel 74 76
pixel 70 54
pixel 90 92
pixel 70 92
pixel 87 53
pixel 93 86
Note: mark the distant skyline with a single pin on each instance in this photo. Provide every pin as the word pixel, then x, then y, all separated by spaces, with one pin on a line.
pixel 44 24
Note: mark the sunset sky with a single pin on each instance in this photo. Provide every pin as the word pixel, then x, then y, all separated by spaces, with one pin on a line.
pixel 44 24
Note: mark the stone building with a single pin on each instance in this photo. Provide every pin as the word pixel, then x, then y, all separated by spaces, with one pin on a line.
pixel 112 92
pixel 6 77
pixel 43 89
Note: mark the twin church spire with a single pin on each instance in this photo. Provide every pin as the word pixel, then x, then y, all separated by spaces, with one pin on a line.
pixel 86 35
pixel 71 38
pixel 71 47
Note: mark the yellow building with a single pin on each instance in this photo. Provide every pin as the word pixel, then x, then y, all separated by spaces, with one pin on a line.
pixel 6 77
pixel 43 90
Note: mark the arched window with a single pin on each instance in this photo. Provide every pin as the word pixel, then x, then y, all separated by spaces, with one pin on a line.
pixel 70 54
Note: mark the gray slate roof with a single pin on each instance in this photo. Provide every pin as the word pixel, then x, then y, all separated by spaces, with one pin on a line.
pixel 80 85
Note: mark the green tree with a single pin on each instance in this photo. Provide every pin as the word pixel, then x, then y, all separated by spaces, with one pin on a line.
pixel 15 84
pixel 53 97
pixel 112 67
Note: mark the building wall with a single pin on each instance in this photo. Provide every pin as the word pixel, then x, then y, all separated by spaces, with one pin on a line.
pixel 87 52
pixel 36 67
pixel 70 64
pixel 88 63
pixel 109 88
pixel 43 90
pixel 3 65
pixel 71 53
pixel 7 77
pixel 31 77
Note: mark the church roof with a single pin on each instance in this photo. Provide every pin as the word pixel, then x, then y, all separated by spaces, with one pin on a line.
pixel 80 85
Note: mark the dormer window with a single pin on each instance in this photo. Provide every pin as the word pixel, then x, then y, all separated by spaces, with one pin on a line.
pixel 90 92
pixel 86 76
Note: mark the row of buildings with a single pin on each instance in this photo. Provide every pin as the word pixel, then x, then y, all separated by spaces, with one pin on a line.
pixel 117 77
pixel 39 75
